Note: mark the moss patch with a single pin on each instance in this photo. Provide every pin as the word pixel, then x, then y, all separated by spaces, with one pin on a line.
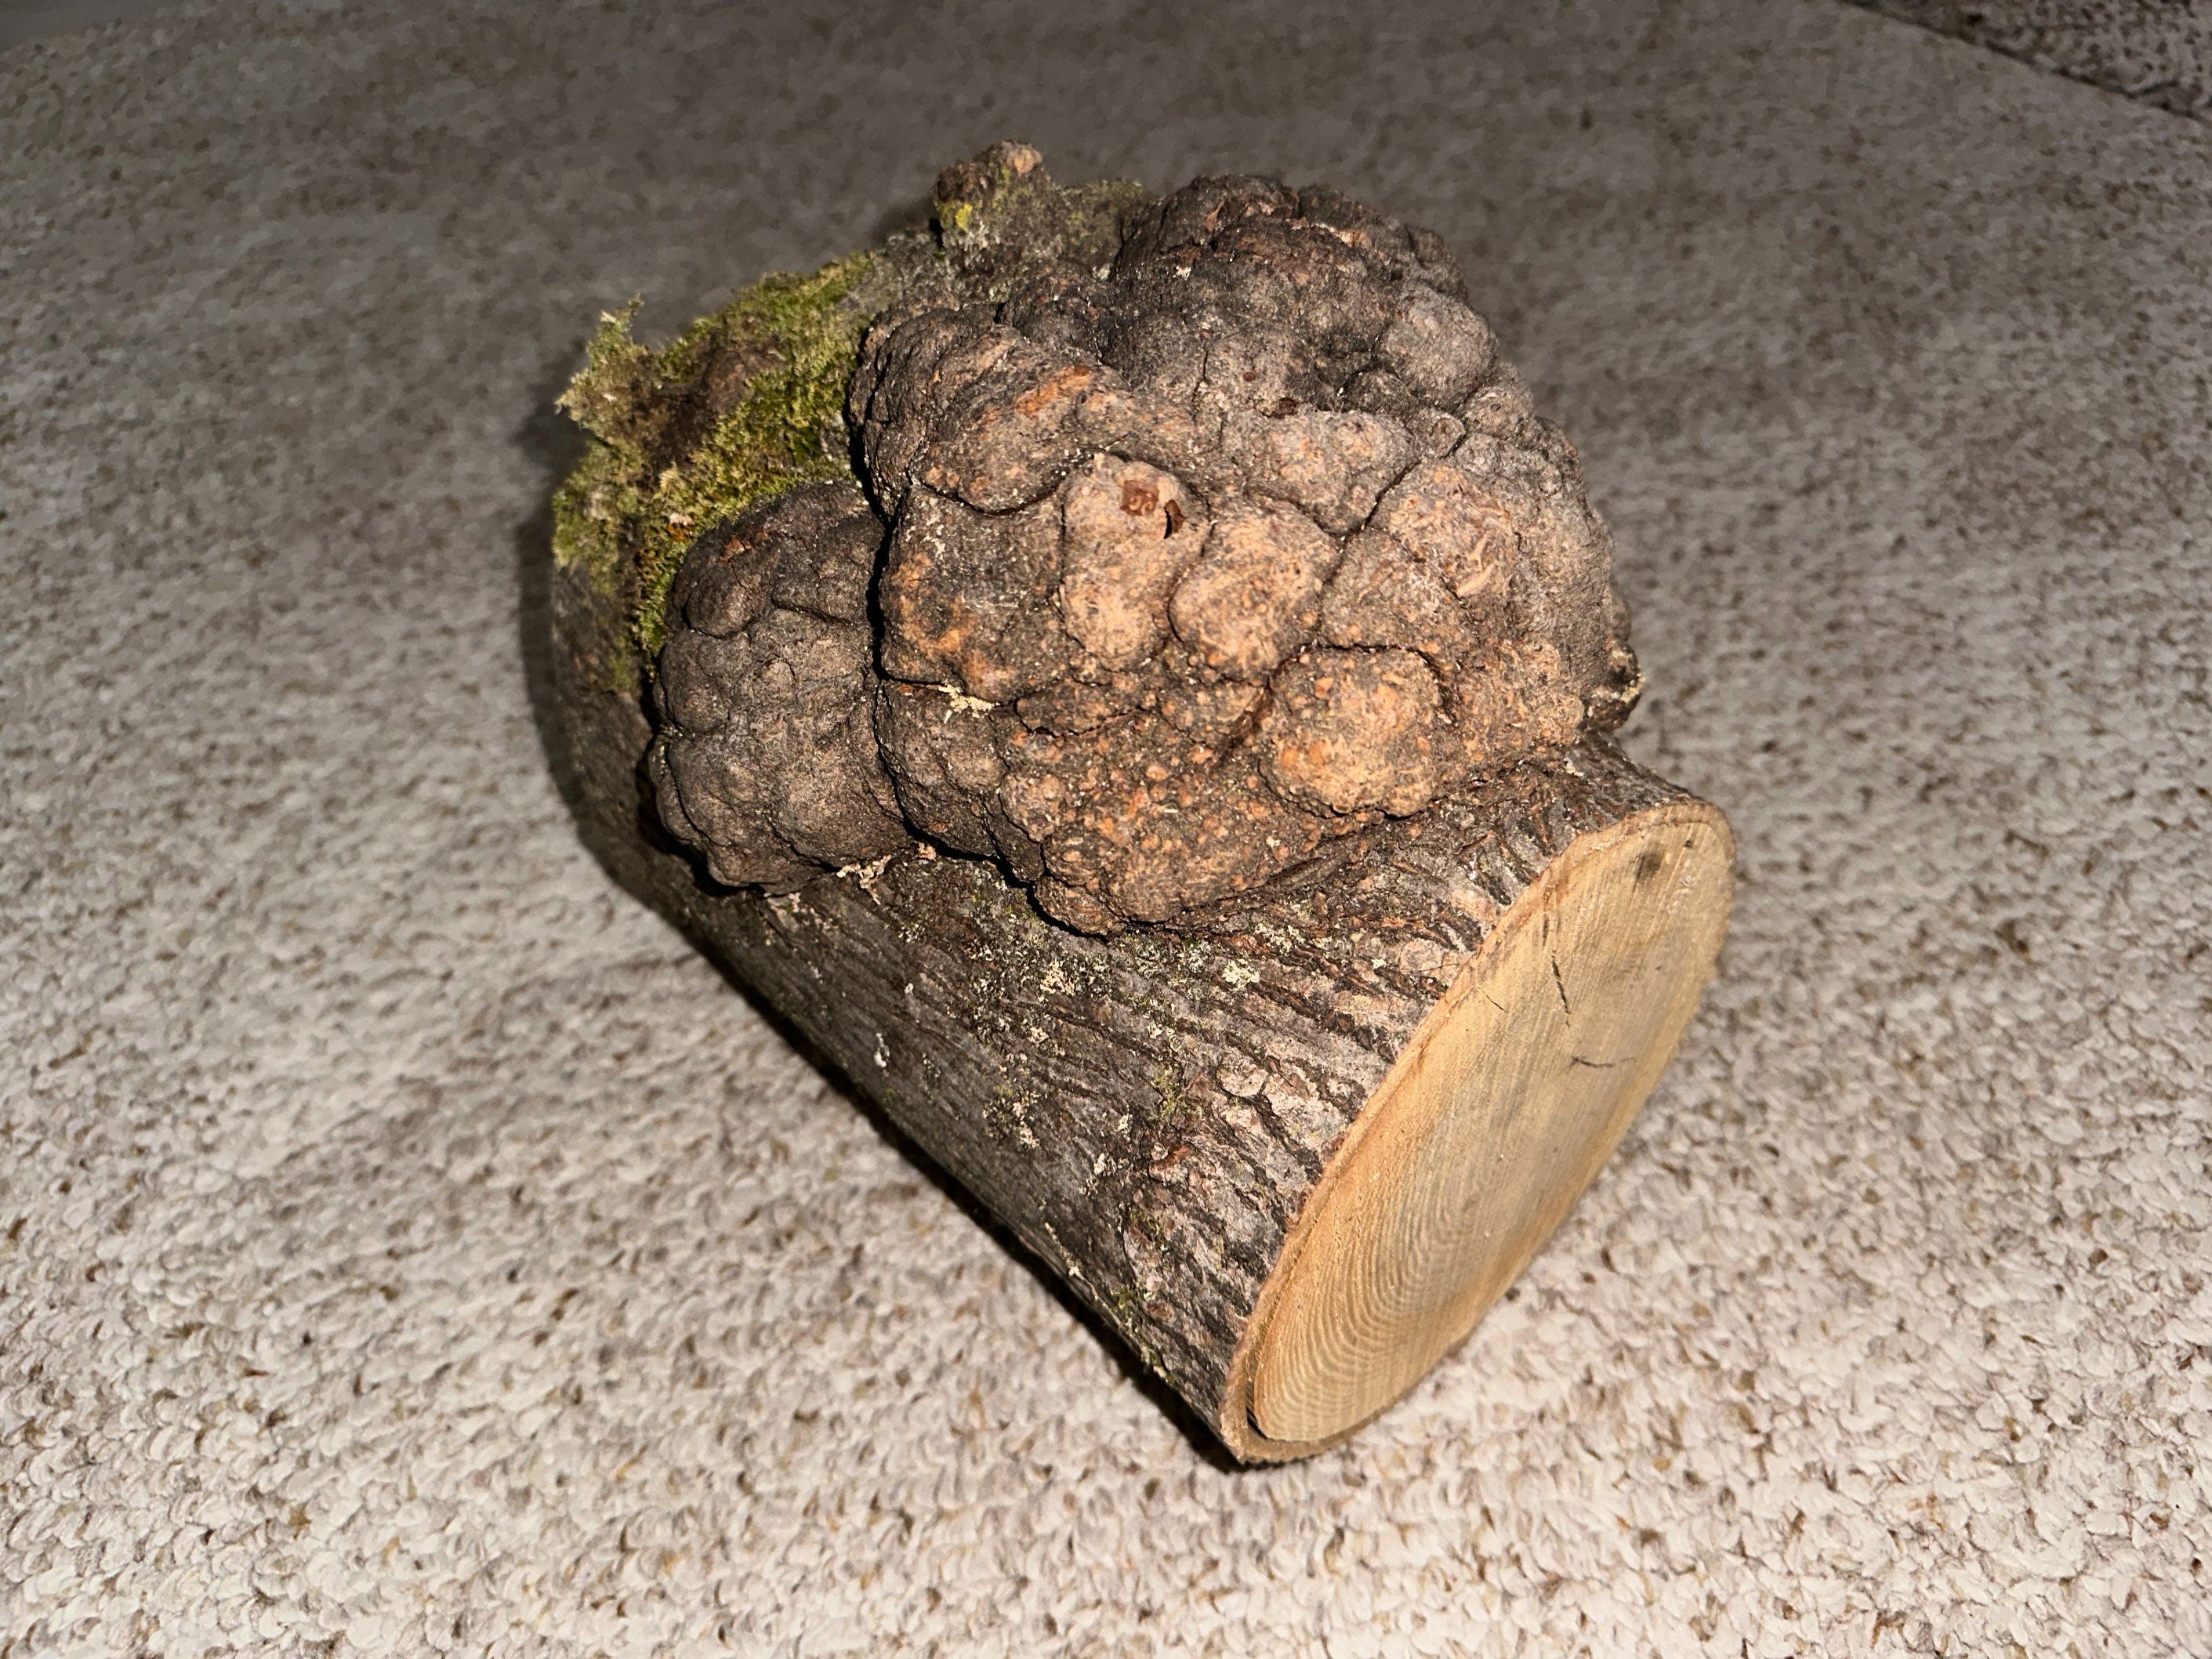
pixel 1000 212
pixel 750 402
pixel 744 404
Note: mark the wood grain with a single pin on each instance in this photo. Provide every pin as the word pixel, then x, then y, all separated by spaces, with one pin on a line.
pixel 1504 1104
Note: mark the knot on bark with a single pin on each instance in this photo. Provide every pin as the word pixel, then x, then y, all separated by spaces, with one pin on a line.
pixel 1200 532
pixel 766 763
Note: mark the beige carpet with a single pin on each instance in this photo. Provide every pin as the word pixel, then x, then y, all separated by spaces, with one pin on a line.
pixel 407 1245
pixel 2158 51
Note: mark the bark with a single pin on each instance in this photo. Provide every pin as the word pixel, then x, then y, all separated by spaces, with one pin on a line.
pixel 1146 1112
pixel 1111 769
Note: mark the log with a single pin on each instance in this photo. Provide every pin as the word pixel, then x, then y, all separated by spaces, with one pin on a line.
pixel 1195 823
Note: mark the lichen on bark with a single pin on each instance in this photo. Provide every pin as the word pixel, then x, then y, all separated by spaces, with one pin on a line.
pixel 1162 544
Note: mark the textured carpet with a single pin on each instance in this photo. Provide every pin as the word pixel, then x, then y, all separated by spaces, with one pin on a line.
pixel 407 1245
pixel 2158 51
pixel 37 20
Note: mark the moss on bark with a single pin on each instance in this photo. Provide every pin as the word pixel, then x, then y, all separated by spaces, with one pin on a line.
pixel 749 403
pixel 745 404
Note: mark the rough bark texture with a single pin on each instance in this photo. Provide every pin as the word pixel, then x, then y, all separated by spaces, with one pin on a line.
pixel 1213 530
pixel 1148 1112
pixel 1208 647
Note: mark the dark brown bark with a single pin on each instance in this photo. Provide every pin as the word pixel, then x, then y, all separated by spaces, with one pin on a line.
pixel 1203 534
pixel 1210 646
pixel 1146 1112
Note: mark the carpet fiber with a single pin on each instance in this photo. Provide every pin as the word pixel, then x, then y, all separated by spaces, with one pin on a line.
pixel 408 1245
pixel 2158 51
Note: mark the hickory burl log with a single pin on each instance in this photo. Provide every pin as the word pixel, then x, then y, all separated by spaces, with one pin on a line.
pixel 1128 679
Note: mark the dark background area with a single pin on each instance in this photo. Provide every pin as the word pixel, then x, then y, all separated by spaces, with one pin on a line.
pixel 2157 51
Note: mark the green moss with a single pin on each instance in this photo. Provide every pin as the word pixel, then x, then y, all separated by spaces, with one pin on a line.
pixel 743 405
pixel 1001 212
pixel 1173 1109
pixel 749 403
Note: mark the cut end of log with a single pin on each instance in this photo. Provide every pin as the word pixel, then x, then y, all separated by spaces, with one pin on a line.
pixel 1502 1106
